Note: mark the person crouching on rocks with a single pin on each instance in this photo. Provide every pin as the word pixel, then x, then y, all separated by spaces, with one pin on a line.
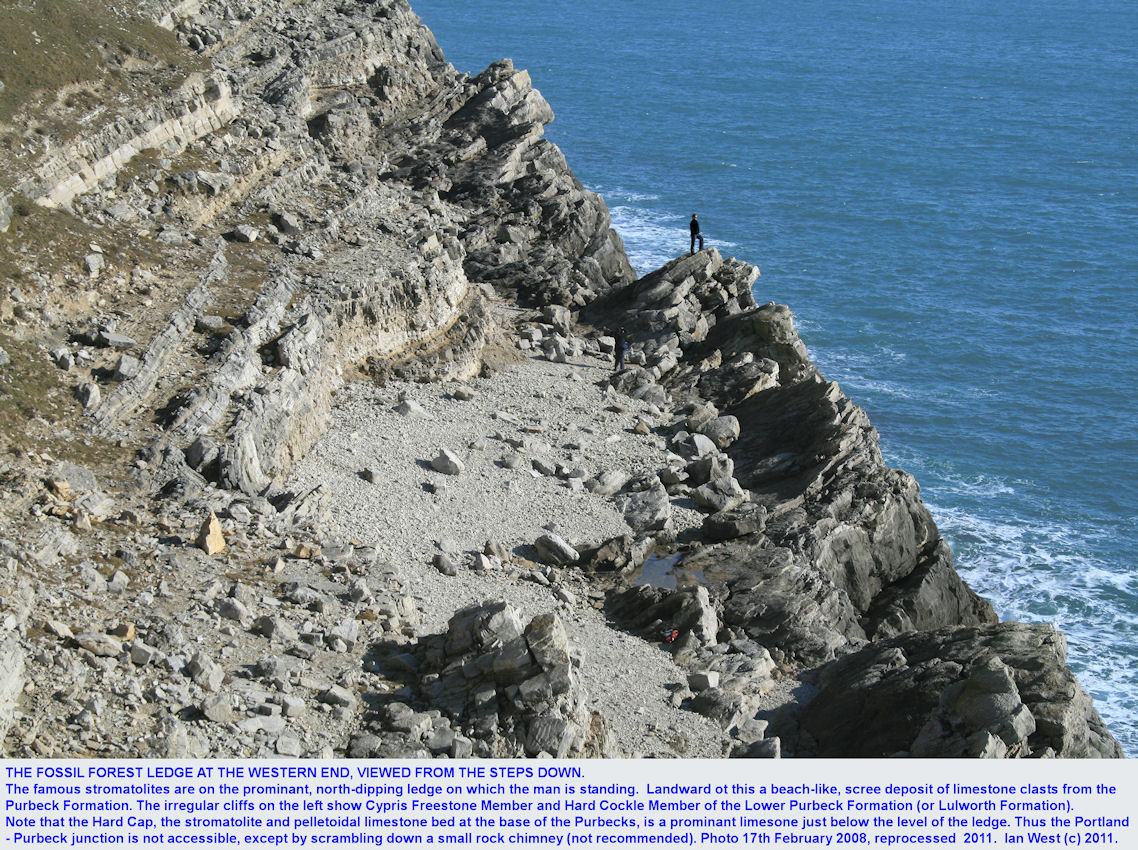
pixel 619 347
pixel 695 234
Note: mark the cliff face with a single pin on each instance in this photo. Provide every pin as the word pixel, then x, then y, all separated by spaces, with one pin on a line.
pixel 300 195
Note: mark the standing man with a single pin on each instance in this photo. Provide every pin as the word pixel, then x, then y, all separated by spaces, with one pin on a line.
pixel 620 346
pixel 695 234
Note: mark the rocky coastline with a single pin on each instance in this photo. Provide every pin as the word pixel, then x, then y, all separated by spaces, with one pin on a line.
pixel 312 444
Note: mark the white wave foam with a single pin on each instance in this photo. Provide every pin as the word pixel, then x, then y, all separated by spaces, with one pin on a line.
pixel 652 238
pixel 1047 572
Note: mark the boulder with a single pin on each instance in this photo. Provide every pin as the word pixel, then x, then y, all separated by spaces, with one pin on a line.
pixel 746 518
pixel 719 495
pixel 723 431
pixel 648 510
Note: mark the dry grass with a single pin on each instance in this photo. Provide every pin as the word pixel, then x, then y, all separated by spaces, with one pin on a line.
pixel 50 44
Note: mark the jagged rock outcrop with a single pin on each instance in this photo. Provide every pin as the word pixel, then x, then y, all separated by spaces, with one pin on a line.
pixel 846 551
pixel 991 692
pixel 488 687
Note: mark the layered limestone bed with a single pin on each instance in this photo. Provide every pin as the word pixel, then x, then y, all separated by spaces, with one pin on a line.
pixel 313 444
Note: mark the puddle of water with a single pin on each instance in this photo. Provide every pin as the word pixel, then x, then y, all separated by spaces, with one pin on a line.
pixel 664 571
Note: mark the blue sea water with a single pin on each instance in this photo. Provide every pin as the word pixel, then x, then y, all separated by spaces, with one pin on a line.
pixel 946 195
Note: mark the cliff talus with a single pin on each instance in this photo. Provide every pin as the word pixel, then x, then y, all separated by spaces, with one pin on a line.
pixel 313 443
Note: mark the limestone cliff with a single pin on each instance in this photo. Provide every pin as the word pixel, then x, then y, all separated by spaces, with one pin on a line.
pixel 241 208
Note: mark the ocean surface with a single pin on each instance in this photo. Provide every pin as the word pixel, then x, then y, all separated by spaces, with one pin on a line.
pixel 946 195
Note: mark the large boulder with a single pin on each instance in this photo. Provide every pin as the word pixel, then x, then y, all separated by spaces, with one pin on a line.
pixel 993 691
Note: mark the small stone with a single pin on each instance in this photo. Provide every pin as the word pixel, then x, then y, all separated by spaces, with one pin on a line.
pixel 94 263
pixel 231 609
pixel 209 324
pixel 608 482
pixel 204 672
pixel 210 539
pixel 217 707
pixel 62 358
pixel 413 409
pixel 722 494
pixel 123 631
pixel 544 466
pixel 245 233
pixel 484 562
pixel 702 680
pixel 292 706
pixel 287 223
pixel 723 431
pixel 495 548
pixel 445 564
pixel 305 551
pixel 359 591
pixel 276 628
pixel 141 654
pixel 117 341
pixel 119 582
pixel 89 395
pixel 99 644
pixel 57 628
pixel 346 633
pixel 447 463
pixel 288 744
pixel 565 596
pixel 338 696
pixel 552 549
pixel 463 394
pixel 128 367
pixel 702 445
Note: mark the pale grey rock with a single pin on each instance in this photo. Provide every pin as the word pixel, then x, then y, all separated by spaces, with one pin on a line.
pixel 141 654
pixel 277 628
pixel 11 683
pixel 204 672
pixel 448 463
pixel 338 696
pixel 702 680
pixel 93 264
pixel 708 468
pixel 648 510
pixel 209 324
pixel 723 431
pixel 607 482
pixel 231 609
pixel 246 233
pixel 117 341
pixel 218 708
pixel 89 395
pixel 445 564
pixel 722 494
pixel 559 317
pixel 99 644
pixel 412 409
pixel 554 550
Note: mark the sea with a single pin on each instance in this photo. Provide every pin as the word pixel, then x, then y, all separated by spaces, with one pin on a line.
pixel 946 195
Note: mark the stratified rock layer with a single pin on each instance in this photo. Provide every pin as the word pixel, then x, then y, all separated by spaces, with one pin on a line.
pixel 995 691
